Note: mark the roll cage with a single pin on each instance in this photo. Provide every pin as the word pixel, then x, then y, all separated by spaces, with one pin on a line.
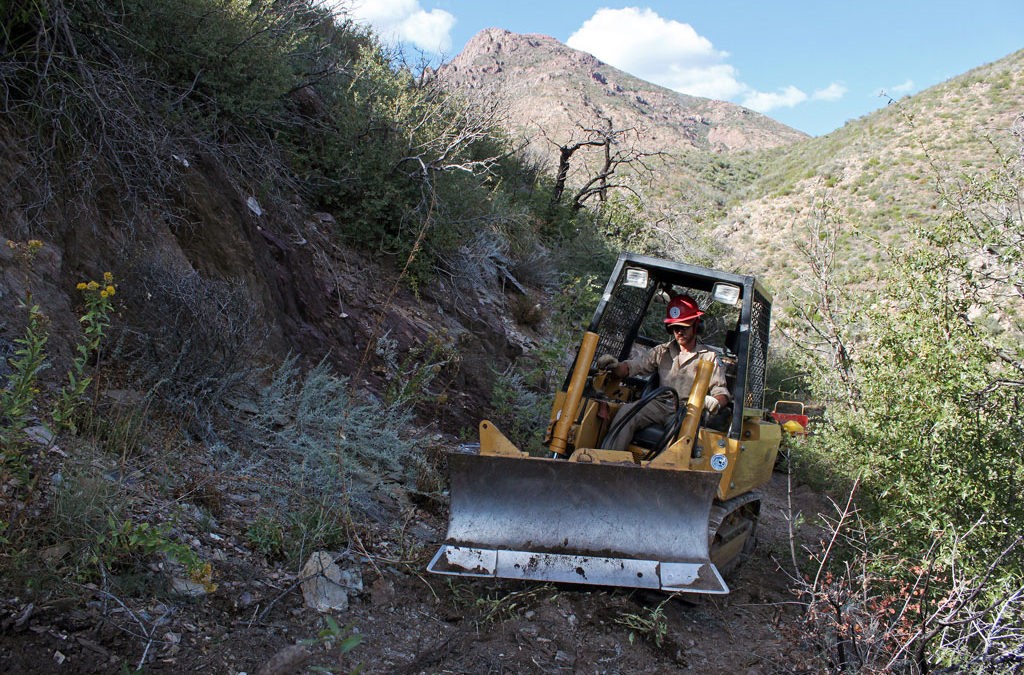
pixel 628 318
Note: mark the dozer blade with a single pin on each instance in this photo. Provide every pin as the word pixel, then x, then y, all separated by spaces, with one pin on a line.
pixel 560 521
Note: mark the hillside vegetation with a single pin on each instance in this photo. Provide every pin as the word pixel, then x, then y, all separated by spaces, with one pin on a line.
pixel 258 277
pixel 896 245
pixel 243 247
pixel 879 174
pixel 691 152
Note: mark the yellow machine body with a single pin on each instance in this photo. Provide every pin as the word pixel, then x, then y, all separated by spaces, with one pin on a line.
pixel 673 518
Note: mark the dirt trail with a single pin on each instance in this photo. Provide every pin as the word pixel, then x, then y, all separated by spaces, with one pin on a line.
pixel 412 622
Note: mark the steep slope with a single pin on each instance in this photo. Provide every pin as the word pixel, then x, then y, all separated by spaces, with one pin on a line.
pixel 551 95
pixel 752 184
pixel 877 174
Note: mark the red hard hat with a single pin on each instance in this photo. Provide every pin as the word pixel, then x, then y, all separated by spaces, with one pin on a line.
pixel 682 309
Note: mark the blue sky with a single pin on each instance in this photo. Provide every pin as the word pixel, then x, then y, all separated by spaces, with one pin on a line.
pixel 813 65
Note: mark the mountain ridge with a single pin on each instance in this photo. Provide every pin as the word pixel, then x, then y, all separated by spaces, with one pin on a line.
pixel 534 74
pixel 739 178
pixel 878 174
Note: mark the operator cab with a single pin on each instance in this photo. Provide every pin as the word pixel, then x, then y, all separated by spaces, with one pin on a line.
pixel 737 312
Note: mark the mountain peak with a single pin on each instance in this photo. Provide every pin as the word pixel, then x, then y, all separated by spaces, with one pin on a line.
pixel 548 85
pixel 497 40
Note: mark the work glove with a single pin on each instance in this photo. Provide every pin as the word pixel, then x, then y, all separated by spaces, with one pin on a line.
pixel 711 404
pixel 606 362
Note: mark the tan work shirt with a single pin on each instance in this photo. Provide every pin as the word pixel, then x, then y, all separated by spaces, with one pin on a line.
pixel 677 369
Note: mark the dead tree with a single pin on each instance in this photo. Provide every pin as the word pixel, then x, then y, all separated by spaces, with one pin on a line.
pixel 821 305
pixel 620 149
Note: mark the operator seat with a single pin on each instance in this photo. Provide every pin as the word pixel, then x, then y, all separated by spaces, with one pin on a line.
pixel 652 437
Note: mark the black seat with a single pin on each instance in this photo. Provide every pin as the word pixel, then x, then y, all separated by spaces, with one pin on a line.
pixel 656 437
pixel 649 436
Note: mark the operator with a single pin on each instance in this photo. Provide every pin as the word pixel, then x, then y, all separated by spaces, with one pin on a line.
pixel 676 363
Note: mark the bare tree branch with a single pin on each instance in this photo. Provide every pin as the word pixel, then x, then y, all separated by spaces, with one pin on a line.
pixel 620 152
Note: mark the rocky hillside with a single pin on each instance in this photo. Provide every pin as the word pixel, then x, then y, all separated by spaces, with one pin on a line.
pixel 550 87
pixel 755 186
pixel 551 95
pixel 877 176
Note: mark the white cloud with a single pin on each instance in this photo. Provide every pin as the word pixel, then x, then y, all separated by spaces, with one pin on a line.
pixel 897 90
pixel 905 88
pixel 406 21
pixel 765 101
pixel 832 92
pixel 662 51
pixel 673 55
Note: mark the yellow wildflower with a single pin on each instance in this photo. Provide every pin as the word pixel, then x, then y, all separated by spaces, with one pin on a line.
pixel 92 285
pixel 34 245
pixel 110 290
pixel 81 286
pixel 108 278
pixel 12 244
pixel 204 575
pixel 103 293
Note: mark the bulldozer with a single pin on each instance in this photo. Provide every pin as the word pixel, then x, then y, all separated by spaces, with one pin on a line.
pixel 676 511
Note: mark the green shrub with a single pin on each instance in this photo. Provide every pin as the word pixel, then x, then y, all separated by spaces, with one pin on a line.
pixel 95 320
pixel 316 527
pixel 266 536
pixel 295 535
pixel 89 519
pixel 924 412
pixel 409 379
pixel 650 624
pixel 123 543
pixel 20 392
pixel 230 58
pixel 520 410
pixel 331 437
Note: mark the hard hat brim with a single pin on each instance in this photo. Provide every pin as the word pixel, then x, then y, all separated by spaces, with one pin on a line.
pixel 684 320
